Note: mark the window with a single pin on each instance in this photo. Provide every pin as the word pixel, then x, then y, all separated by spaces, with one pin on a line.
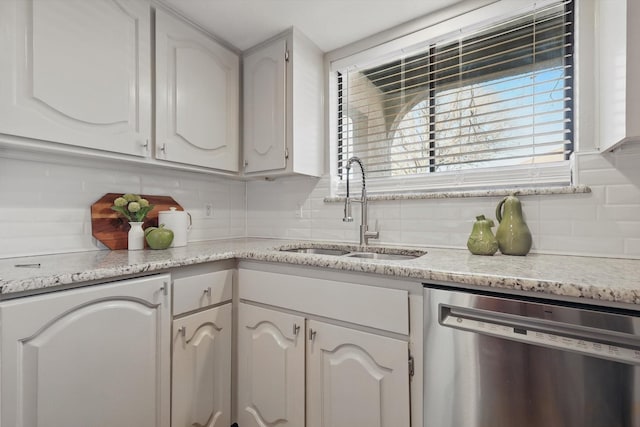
pixel 498 97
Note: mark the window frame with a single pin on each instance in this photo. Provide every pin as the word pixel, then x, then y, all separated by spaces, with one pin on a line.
pixel 384 50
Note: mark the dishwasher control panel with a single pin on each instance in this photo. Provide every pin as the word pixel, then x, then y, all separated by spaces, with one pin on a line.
pixel 519 332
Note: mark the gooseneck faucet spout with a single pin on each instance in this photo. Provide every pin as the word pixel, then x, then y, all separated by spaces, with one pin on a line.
pixel 365 234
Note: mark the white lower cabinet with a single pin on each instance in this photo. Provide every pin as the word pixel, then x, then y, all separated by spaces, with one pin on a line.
pixel 271 368
pixel 355 378
pixel 201 364
pixel 201 374
pixel 311 352
pixel 96 356
pixel 298 367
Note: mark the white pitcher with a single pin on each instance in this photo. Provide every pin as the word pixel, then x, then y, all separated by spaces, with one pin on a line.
pixel 177 221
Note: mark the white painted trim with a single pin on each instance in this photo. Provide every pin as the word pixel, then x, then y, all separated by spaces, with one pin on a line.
pixel 36 150
pixel 406 28
pixel 547 175
pixel 440 26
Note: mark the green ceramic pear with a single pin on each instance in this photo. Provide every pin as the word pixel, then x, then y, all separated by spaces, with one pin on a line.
pixel 482 241
pixel 513 235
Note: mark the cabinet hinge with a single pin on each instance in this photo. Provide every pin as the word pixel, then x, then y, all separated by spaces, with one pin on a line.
pixel 411 366
pixel 286 55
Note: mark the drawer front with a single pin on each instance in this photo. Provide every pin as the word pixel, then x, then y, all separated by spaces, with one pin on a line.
pixel 202 290
pixel 376 307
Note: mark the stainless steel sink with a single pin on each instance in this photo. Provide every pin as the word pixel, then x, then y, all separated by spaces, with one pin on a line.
pixel 375 255
pixel 391 254
pixel 317 251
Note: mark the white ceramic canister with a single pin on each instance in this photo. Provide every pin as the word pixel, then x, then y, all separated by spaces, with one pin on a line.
pixel 177 221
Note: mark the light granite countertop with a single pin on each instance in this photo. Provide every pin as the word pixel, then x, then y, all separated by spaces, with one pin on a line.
pixel 596 280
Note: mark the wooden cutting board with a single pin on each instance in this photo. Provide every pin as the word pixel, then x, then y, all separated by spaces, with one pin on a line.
pixel 111 228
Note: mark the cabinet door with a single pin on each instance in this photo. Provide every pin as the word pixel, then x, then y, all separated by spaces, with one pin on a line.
pixel 201 375
pixel 96 356
pixel 197 95
pixel 264 108
pixel 77 72
pixel 270 368
pixel 356 378
pixel 619 66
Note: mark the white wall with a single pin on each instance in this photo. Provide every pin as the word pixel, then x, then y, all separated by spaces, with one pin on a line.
pixel 45 201
pixel 605 222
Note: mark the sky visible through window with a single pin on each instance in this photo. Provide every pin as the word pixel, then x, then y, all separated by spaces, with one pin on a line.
pixel 505 121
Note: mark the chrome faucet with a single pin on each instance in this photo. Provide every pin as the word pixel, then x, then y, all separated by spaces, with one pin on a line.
pixel 365 234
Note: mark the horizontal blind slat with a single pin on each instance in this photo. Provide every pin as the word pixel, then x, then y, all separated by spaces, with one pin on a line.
pixel 560 142
pixel 391 104
pixel 372 137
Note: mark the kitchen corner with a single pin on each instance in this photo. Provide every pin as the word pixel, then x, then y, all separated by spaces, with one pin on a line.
pixel 221 213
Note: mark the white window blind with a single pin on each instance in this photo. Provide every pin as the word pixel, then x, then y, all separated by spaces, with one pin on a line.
pixel 500 96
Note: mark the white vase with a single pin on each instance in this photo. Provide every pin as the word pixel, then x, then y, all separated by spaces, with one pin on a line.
pixel 135 236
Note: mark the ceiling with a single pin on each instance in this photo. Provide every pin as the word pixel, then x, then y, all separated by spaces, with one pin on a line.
pixel 329 23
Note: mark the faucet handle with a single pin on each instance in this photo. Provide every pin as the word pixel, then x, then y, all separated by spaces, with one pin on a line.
pixel 347 210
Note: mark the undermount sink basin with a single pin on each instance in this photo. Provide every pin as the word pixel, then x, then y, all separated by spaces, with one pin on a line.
pixel 375 255
pixel 317 251
pixel 391 254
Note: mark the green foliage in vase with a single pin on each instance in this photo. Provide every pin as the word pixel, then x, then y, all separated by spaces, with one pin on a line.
pixel 133 207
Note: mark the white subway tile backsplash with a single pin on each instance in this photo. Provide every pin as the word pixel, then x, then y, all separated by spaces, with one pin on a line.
pixel 421 238
pixel 602 176
pixel 627 194
pixel 564 209
pixel 550 227
pixel 603 222
pixel 604 229
pixel 46 206
pixel 632 247
pixel 619 212
pixel 593 246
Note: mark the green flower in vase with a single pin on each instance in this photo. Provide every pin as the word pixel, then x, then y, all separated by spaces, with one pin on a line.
pixel 133 207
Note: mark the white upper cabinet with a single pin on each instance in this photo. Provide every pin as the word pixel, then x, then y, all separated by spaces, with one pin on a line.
pixel 77 73
pixel 283 107
pixel 619 68
pixel 197 95
pixel 264 108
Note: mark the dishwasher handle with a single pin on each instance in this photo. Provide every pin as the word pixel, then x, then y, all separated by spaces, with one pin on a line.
pixel 580 339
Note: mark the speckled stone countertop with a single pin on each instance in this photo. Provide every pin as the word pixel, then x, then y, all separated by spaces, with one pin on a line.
pixel 597 280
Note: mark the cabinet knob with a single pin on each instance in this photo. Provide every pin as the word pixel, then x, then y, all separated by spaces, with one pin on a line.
pixel 182 330
pixel 207 291
pixel 312 335
pixel 163 148
pixel 145 145
pixel 296 329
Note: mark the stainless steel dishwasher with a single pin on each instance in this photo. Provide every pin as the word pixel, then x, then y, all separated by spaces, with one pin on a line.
pixel 497 361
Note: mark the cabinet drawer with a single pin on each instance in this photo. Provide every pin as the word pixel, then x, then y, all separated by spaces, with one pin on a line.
pixel 202 290
pixel 376 307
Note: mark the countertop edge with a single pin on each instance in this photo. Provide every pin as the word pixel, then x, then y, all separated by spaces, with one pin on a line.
pixel 421 271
